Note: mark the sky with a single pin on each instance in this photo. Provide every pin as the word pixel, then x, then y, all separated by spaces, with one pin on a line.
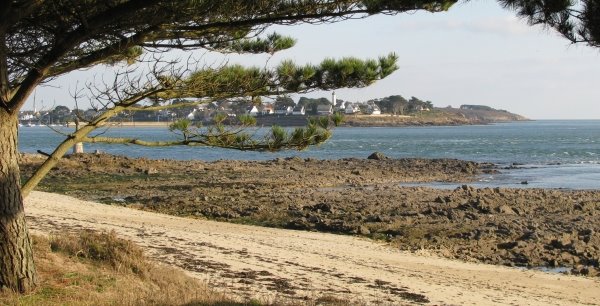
pixel 476 53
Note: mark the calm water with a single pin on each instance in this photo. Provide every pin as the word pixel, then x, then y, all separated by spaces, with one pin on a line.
pixel 552 154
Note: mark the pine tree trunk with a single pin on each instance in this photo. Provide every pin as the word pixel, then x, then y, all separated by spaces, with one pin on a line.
pixel 17 269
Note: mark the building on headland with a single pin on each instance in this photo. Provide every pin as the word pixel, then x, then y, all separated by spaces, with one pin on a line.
pixel 373 109
pixel 352 108
pixel 252 110
pixel 325 109
pixel 283 110
pixel 299 110
pixel 266 109
pixel 27 115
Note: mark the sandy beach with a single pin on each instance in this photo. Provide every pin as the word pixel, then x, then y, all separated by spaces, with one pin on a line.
pixel 250 261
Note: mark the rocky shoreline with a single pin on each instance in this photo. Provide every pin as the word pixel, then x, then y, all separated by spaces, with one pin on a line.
pixel 532 228
pixel 436 117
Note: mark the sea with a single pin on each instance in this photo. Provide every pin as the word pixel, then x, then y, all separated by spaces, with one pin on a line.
pixel 562 154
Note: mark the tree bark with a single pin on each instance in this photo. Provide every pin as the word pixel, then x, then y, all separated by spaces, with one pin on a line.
pixel 17 269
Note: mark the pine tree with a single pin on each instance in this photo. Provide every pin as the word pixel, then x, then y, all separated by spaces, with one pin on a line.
pixel 41 40
pixel 578 21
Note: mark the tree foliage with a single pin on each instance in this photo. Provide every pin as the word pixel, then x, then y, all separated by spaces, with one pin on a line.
pixel 284 101
pixel 40 40
pixel 395 104
pixel 287 77
pixel 577 20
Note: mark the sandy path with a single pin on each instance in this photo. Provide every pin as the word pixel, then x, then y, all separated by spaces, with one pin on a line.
pixel 271 263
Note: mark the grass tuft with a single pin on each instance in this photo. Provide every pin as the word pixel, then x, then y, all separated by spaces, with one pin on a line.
pixel 103 248
pixel 93 268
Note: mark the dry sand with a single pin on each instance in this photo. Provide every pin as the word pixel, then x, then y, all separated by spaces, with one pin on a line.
pixel 272 264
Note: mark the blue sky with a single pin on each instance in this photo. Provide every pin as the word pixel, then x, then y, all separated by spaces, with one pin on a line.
pixel 477 53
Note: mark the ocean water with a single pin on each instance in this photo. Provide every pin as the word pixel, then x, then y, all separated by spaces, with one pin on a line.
pixel 546 153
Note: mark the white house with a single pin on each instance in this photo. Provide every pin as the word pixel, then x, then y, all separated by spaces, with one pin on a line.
pixel 252 110
pixel 325 109
pixel 373 109
pixel 266 109
pixel 351 108
pixel 27 115
pixel 192 115
pixel 376 110
pixel 299 110
pixel 284 110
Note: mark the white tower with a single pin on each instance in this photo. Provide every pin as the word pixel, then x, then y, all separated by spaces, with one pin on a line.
pixel 333 100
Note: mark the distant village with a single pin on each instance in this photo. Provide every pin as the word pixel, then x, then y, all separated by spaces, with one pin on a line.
pixel 280 106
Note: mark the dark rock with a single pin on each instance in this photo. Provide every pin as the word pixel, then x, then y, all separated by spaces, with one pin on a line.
pixel 481 206
pixel 580 270
pixel 564 242
pixel 507 245
pixel 505 209
pixel 321 207
pixel 466 188
pixel 336 226
pixel 408 213
pixel 503 231
pixel 530 235
pixel 300 224
pixel 363 230
pixel 374 218
pixel 586 235
pixel 291 213
pixel 357 216
pixel 314 219
pixel 468 168
pixel 377 156
pixel 471 216
pixel 295 159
